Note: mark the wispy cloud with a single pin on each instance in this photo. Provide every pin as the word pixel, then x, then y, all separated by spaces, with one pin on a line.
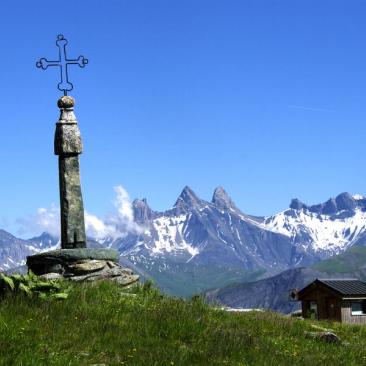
pixel 117 224
pixel 45 219
pixel 307 108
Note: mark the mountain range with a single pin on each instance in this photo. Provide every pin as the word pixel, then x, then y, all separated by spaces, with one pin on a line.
pixel 197 244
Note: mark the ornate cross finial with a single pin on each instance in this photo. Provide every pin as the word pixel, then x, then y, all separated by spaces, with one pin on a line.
pixel 63 63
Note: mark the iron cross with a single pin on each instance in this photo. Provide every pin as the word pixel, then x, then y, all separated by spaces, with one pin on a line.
pixel 62 63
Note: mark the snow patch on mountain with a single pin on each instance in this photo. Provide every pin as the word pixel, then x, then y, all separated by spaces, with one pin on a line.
pixel 170 233
pixel 319 232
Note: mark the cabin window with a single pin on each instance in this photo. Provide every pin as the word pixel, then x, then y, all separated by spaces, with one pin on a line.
pixel 358 307
pixel 313 309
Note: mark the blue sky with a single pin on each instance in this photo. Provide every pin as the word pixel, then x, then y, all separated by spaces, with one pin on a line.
pixel 266 98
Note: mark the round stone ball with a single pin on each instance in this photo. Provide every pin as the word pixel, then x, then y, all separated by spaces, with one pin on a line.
pixel 66 102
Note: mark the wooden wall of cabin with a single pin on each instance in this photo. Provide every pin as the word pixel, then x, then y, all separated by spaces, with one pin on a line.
pixel 324 297
pixel 347 316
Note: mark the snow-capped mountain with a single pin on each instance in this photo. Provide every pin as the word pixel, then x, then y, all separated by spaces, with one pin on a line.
pixel 300 233
pixel 199 234
pixel 212 233
pixel 324 229
pixel 13 251
pixel 202 244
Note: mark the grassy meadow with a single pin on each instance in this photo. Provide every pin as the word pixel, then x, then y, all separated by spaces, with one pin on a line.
pixel 105 325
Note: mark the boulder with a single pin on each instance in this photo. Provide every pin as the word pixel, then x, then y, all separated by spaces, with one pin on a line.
pixel 85 266
pixel 327 337
pixel 51 276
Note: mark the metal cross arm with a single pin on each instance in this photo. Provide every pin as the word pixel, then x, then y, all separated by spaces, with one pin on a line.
pixel 62 63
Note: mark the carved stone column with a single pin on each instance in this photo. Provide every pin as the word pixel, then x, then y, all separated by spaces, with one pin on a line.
pixel 68 146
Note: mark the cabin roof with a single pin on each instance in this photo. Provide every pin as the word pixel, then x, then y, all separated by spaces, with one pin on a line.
pixel 345 287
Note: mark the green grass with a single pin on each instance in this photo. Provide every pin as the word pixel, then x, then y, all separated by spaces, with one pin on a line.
pixel 101 325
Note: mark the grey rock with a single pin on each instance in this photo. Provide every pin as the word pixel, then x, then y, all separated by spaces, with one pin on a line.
pixel 187 201
pixel 345 201
pixel 330 207
pixel 44 241
pixel 122 276
pixel 111 264
pixel 79 254
pixel 221 199
pixel 55 268
pixel 296 204
pixel 117 271
pixel 126 280
pixel 327 337
pixel 296 314
pixel 81 278
pixel 60 260
pixel 112 272
pixel 142 211
pixel 86 266
pixel 80 265
pixel 334 206
pixel 51 276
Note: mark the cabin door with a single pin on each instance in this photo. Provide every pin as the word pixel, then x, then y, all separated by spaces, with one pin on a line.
pixel 331 309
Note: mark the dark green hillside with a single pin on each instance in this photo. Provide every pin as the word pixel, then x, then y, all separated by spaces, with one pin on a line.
pixel 105 325
pixel 186 280
pixel 352 261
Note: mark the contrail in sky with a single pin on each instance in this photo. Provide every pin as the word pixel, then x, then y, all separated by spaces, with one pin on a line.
pixel 305 108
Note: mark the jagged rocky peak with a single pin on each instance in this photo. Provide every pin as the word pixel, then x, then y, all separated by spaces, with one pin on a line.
pixel 141 211
pixel 44 236
pixel 221 199
pixel 296 204
pixel 187 200
pixel 44 240
pixel 330 207
pixel 345 201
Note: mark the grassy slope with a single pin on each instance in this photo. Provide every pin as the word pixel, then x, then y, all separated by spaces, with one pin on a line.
pixel 98 325
pixel 185 280
pixel 352 260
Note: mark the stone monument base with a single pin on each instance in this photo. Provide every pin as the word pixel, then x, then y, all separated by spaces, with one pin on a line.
pixel 81 264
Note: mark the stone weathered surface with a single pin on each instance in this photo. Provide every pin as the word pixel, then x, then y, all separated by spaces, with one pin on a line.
pixel 51 276
pixel 87 265
pixel 81 265
pixel 327 337
pixel 58 261
pixel 68 146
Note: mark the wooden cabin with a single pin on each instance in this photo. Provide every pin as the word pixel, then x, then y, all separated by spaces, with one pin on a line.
pixel 342 300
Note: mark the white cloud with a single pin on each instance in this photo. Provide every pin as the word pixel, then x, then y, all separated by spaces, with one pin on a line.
pixel 45 219
pixel 117 224
pixel 123 221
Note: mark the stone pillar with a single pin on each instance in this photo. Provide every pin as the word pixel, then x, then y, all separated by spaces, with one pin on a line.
pixel 68 146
